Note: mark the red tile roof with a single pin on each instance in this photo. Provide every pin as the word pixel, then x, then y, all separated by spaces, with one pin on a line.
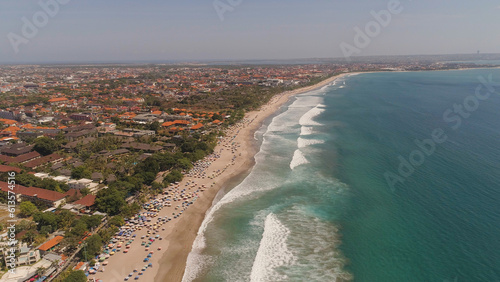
pixel 60 99
pixel 87 201
pixel 20 159
pixel 43 160
pixel 40 193
pixel 79 265
pixel 6 168
pixel 73 192
pixel 198 126
pixel 51 243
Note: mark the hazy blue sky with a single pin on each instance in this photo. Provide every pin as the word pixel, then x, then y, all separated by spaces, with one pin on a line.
pixel 115 30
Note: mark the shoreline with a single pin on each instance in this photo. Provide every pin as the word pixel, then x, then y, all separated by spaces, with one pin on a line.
pixel 233 161
pixel 174 260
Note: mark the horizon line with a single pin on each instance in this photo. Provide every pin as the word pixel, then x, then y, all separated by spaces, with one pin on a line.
pixel 212 61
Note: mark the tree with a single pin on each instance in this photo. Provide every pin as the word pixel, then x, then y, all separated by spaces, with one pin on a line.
pixel 93 247
pixel 91 221
pixel 217 117
pixel 155 186
pixel 47 218
pixel 117 221
pixel 184 163
pixel 80 172
pixel 70 242
pixel 53 185
pixel 85 191
pixel 25 225
pixel 130 210
pixel 197 155
pixel 29 236
pixel 28 180
pixel 115 120
pixel 65 219
pixel 110 201
pixel 54 263
pixel 76 276
pixel 79 228
pixel 148 177
pixel 45 146
pixel 172 177
pixel 154 126
pixel 61 138
pixel 27 208
pixel 40 271
pixel 46 229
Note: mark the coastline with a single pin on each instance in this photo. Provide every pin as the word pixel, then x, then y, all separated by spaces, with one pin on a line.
pixel 235 159
pixel 185 230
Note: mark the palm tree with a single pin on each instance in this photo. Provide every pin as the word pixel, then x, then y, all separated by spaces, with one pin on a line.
pixel 40 271
pixel 55 263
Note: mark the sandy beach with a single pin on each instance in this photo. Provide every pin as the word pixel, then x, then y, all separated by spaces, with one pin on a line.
pixel 233 158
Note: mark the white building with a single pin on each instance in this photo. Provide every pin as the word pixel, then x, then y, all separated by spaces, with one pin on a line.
pixel 61 178
pixel 80 183
pixel 24 256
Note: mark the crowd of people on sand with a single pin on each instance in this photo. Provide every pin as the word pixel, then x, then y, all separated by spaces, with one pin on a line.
pixel 178 197
pixel 150 220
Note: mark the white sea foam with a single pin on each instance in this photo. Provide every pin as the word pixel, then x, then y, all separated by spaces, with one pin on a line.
pixel 303 142
pixel 298 159
pixel 196 261
pixel 308 118
pixel 325 87
pixel 272 253
pixel 317 258
pixel 306 130
pixel 305 101
pixel 278 124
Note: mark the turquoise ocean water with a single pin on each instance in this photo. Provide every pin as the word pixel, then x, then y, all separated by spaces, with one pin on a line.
pixel 317 205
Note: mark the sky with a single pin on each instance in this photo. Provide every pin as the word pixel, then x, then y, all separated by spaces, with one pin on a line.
pixel 192 30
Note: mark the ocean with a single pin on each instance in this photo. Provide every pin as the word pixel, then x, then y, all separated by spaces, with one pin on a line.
pixel 378 177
